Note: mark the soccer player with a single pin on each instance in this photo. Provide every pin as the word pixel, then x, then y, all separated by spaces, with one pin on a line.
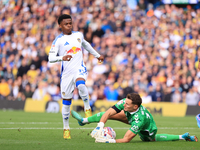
pixel 130 111
pixel 198 120
pixel 67 48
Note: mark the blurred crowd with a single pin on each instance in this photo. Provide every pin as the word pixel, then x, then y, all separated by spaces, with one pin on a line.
pixel 148 49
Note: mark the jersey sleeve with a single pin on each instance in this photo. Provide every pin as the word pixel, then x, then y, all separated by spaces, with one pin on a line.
pixel 89 48
pixel 54 51
pixel 120 104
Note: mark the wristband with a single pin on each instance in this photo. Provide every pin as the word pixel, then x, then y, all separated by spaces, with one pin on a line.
pixel 101 124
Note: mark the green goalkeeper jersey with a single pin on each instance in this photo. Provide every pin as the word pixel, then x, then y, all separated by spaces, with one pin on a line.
pixel 141 120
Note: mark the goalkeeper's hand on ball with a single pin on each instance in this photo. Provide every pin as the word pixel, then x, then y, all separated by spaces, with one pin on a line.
pixel 104 139
pixel 98 131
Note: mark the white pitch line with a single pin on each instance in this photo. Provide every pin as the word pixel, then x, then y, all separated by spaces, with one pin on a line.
pixel 30 123
pixel 162 128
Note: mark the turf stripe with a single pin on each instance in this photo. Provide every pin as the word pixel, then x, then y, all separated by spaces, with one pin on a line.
pixel 30 122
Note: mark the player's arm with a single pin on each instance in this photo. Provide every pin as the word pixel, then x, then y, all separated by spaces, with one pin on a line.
pixel 107 114
pixel 127 137
pixel 91 50
pixel 98 131
pixel 53 54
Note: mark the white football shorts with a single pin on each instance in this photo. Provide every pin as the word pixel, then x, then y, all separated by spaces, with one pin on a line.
pixel 68 83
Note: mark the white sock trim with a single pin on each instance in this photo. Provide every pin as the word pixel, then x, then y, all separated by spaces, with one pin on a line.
pixel 180 137
pixel 85 120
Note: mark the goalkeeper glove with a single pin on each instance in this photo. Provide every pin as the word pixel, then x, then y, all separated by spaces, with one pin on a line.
pixel 104 139
pixel 98 131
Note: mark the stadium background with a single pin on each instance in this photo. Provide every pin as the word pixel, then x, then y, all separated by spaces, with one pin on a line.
pixel 149 47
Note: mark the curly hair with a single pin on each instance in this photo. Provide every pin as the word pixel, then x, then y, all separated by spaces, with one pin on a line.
pixel 64 16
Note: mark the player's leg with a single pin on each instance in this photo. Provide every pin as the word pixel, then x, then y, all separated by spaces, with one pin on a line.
pixel 65 116
pixel 170 137
pixel 198 120
pixel 148 136
pixel 82 121
pixel 96 117
pixel 83 92
pixel 67 88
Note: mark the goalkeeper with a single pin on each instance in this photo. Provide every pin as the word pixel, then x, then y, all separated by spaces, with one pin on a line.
pixel 129 110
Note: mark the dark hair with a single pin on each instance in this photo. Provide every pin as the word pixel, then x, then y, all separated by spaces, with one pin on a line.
pixel 64 16
pixel 136 99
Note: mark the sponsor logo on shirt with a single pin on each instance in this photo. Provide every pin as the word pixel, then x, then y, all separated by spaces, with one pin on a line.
pixel 120 102
pixel 135 128
pixel 66 44
pixel 73 50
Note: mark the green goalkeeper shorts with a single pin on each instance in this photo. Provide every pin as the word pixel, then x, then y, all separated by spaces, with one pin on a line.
pixel 146 136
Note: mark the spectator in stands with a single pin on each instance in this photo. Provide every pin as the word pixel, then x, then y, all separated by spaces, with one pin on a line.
pixel 40 93
pixel 23 68
pixel 52 88
pixel 28 93
pixel 184 85
pixel 192 97
pixel 4 89
pixel 176 96
pixel 8 73
pixel 32 74
pixel 110 93
pixel 163 42
pixel 167 95
pixel 145 97
pixel 158 94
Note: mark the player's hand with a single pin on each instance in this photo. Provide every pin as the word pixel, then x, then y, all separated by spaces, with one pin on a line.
pixel 67 58
pixel 104 139
pixel 98 131
pixel 100 59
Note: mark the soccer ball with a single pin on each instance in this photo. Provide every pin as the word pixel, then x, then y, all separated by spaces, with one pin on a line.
pixel 109 132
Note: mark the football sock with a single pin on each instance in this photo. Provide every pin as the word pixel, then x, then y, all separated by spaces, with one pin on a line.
pixel 65 115
pixel 83 92
pixel 181 137
pixel 95 117
pixel 167 137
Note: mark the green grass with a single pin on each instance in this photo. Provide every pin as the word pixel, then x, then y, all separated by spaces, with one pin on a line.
pixel 43 131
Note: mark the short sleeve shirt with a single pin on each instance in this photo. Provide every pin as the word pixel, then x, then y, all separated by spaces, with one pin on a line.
pixel 141 120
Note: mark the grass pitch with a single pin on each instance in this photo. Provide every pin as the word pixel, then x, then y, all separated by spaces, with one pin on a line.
pixel 43 131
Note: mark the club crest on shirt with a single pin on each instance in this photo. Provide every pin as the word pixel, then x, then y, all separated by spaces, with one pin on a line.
pixel 63 93
pixel 79 40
